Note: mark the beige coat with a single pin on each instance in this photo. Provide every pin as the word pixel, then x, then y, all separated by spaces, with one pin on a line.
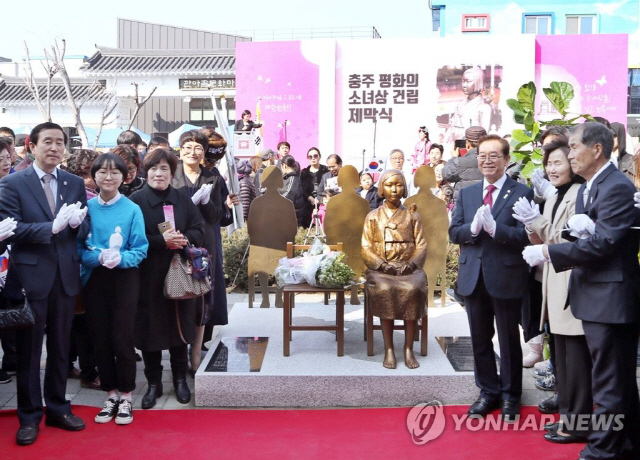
pixel 555 286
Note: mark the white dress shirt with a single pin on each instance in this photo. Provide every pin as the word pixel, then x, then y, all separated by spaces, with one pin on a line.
pixel 498 184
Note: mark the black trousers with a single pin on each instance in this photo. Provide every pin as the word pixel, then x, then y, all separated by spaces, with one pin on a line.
pixel 55 313
pixel 153 363
pixel 482 309
pixel 81 347
pixel 110 299
pixel 614 349
pixel 573 380
pixel 10 356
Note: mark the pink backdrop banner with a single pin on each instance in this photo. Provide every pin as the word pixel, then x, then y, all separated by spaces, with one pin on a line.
pixel 596 66
pixel 286 84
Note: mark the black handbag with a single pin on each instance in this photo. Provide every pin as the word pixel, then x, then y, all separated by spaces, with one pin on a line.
pixel 15 313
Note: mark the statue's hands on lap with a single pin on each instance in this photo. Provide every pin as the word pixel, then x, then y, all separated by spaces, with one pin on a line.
pixel 388 269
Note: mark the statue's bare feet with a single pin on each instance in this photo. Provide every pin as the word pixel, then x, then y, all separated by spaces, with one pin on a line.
pixel 389 359
pixel 410 360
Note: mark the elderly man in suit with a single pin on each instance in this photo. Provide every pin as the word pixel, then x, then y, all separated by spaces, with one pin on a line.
pixel 492 276
pixel 603 288
pixel 49 206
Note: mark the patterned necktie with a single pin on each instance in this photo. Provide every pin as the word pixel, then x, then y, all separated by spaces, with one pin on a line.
pixel 488 198
pixel 49 193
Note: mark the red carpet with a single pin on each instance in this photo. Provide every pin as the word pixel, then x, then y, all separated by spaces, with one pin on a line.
pixel 283 434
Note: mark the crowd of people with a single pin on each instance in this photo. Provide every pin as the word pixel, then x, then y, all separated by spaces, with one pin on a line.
pixel 558 258
pixel 79 224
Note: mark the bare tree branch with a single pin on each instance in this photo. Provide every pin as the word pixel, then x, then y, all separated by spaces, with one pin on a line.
pixel 109 106
pixel 58 59
pixel 32 85
pixel 139 103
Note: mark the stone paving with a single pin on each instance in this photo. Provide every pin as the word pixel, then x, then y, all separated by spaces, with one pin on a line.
pixel 85 396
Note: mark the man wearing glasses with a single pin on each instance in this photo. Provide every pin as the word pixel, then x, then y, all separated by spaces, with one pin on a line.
pixel 50 207
pixel 492 277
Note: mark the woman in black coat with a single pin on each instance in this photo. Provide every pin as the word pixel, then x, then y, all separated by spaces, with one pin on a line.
pixel 310 178
pixel 161 323
pixel 189 178
pixel 292 189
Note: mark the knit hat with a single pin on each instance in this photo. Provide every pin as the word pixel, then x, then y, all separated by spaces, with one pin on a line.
pixel 474 133
pixel 244 167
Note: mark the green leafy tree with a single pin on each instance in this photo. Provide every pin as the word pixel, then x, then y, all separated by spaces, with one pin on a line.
pixel 526 142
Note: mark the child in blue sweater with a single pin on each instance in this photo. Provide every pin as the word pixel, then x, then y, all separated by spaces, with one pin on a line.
pixel 110 255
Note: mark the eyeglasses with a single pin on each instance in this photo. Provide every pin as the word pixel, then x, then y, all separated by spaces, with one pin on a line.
pixel 5 159
pixel 491 157
pixel 113 174
pixel 314 155
pixel 189 149
pixel 132 169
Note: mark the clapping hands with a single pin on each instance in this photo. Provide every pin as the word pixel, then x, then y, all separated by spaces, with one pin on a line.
pixel 7 227
pixel 525 212
pixel 483 220
pixel 203 195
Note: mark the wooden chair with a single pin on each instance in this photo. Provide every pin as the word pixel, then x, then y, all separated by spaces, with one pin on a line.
pixel 369 327
pixel 290 290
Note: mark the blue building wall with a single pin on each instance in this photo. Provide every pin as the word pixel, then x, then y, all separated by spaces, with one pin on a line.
pixel 508 17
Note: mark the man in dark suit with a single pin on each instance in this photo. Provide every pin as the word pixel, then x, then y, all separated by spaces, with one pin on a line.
pixel 492 276
pixel 603 288
pixel 49 206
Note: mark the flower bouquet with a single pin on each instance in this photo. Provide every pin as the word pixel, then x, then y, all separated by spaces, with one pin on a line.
pixel 318 267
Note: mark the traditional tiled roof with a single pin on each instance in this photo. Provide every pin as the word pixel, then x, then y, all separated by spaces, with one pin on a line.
pixel 119 62
pixel 14 92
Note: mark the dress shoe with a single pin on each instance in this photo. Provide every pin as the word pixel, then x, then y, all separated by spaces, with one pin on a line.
pixel 549 405
pixel 183 394
pixel 153 393
pixel 510 411
pixel 552 426
pixel 91 384
pixel 483 406
pixel 554 437
pixel 27 434
pixel 67 422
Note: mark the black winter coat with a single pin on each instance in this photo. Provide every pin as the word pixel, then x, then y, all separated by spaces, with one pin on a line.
pixel 292 191
pixel 156 326
pixel 371 197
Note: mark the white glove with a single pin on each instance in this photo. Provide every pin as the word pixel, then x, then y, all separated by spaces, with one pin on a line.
pixel 78 216
pixel 525 212
pixel 206 194
pixel 62 219
pixel 197 197
pixel 581 226
pixel 533 255
pixel 542 188
pixel 476 223
pixel 7 227
pixel 109 258
pixel 636 198
pixel 488 222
